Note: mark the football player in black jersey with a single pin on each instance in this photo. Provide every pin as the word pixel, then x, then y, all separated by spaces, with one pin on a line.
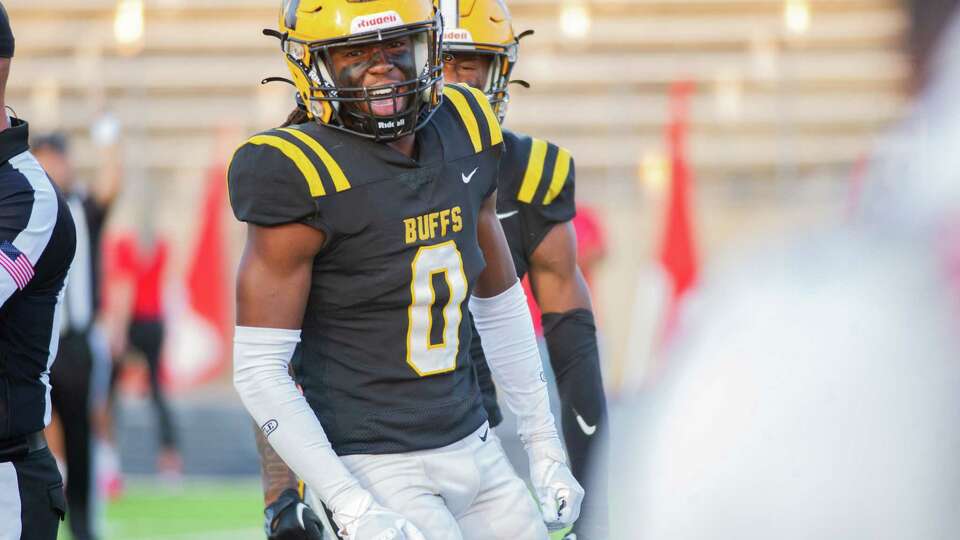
pixel 371 227
pixel 535 204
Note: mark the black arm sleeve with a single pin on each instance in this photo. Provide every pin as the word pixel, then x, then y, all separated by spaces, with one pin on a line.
pixel 575 358
pixel 572 342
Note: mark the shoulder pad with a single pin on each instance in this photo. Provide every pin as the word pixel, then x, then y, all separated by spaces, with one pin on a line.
pixel 275 175
pixel 546 171
pixel 475 114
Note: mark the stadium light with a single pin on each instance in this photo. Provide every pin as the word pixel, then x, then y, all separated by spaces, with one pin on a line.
pixel 796 16
pixel 128 26
pixel 575 19
pixel 654 172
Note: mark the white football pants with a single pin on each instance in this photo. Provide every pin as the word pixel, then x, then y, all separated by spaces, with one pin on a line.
pixel 464 491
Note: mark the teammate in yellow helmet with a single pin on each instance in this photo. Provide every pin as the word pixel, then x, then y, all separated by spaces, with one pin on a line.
pixel 372 229
pixel 535 204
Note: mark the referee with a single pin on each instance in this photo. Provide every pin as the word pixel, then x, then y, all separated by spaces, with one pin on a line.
pixel 37 242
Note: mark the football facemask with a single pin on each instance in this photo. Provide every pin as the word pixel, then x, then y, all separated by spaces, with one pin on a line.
pixel 373 74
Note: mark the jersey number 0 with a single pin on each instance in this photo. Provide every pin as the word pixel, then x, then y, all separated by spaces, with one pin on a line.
pixel 425 357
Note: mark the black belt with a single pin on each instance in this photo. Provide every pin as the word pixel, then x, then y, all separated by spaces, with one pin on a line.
pixel 19 447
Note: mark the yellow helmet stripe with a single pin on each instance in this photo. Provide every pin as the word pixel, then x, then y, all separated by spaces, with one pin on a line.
pixel 340 181
pixel 496 135
pixel 299 159
pixel 531 178
pixel 301 488
pixel 466 114
pixel 560 170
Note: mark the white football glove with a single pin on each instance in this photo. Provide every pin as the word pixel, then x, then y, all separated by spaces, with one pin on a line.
pixel 558 492
pixel 361 518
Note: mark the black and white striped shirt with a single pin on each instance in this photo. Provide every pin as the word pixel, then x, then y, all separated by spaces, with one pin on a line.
pixel 37 243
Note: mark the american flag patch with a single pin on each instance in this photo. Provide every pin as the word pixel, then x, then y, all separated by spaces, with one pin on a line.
pixel 16 264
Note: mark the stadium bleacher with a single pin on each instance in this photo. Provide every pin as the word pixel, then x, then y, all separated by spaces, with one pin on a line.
pixel 825 91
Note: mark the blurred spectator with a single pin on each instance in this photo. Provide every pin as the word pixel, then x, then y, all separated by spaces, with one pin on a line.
pixel 814 392
pixel 144 262
pixel 79 359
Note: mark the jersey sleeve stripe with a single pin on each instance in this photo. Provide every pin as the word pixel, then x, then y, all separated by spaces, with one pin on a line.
pixel 299 159
pixel 340 182
pixel 496 135
pixel 24 246
pixel 534 172
pixel 466 114
pixel 561 168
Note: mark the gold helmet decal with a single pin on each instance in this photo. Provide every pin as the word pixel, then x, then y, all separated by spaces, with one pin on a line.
pixel 317 35
pixel 483 27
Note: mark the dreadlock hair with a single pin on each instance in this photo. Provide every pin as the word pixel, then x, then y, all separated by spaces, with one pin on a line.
pixel 296 116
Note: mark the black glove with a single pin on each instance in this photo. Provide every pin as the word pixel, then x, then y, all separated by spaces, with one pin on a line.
pixel 288 518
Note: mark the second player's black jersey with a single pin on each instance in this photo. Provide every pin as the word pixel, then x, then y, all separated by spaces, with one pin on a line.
pixel 536 192
pixel 384 359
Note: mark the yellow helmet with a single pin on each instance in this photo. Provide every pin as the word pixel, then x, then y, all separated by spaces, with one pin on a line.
pixel 483 27
pixel 310 31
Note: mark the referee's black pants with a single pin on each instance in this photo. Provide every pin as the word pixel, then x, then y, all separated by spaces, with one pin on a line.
pixel 31 497
pixel 70 378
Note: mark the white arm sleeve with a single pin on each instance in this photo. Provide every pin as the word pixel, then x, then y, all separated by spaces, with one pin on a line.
pixel 261 357
pixel 510 346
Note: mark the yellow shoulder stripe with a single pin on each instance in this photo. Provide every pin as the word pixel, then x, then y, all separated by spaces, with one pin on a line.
pixel 496 135
pixel 531 178
pixel 297 156
pixel 560 170
pixel 466 114
pixel 340 181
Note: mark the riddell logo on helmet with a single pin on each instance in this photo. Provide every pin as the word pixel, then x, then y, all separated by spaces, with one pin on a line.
pixel 377 21
pixel 458 34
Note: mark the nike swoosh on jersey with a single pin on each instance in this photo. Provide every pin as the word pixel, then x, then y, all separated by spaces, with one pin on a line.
pixel 485 434
pixel 468 177
pixel 505 215
pixel 587 429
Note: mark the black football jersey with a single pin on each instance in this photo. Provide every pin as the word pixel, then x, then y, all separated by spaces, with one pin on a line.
pixel 536 192
pixel 384 359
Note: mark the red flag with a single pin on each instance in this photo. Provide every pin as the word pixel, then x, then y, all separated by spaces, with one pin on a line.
pixel 678 255
pixel 664 284
pixel 199 319
pixel 205 275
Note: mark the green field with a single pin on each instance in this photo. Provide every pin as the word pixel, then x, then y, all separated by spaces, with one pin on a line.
pixel 193 510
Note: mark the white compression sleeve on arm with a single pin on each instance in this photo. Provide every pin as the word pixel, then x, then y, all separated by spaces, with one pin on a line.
pixel 510 346
pixel 261 357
